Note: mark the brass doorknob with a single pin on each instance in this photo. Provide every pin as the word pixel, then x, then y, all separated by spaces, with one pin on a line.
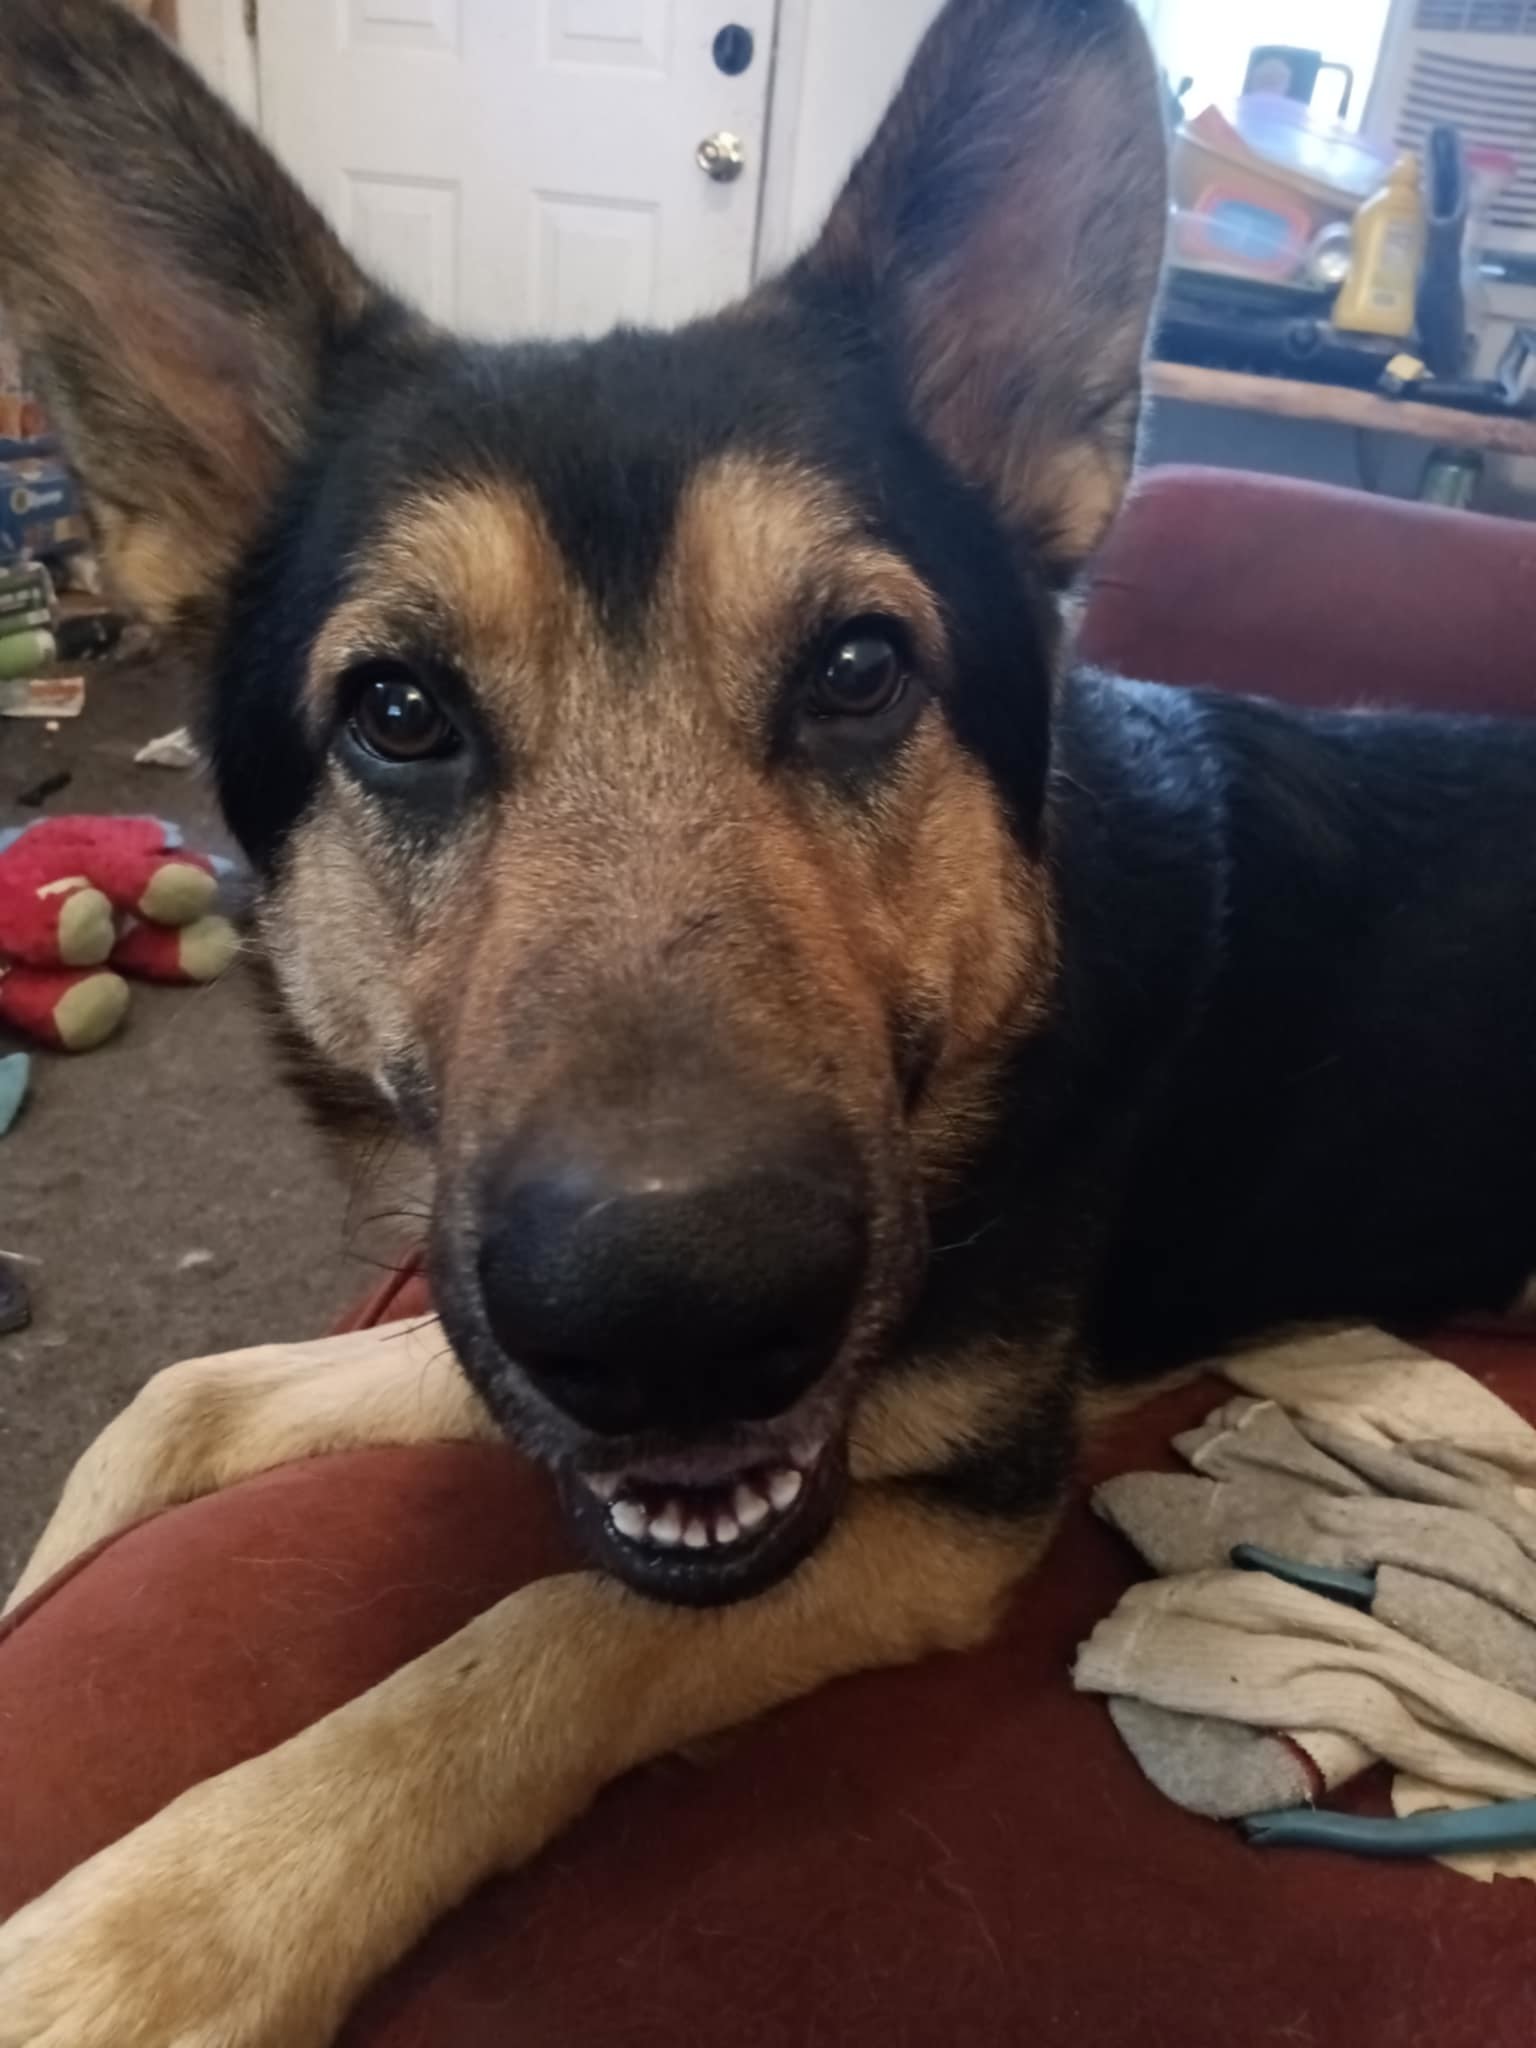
pixel 722 157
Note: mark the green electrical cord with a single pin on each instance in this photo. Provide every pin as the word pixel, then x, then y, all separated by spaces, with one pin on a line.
pixel 1511 1824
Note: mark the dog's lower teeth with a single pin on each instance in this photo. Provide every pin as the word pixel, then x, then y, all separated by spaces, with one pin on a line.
pixel 699 1524
pixel 751 1509
pixel 630 1519
pixel 784 1489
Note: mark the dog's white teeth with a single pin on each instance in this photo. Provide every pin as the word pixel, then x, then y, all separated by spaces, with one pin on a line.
pixel 630 1519
pixel 677 1524
pixel 751 1509
pixel 784 1489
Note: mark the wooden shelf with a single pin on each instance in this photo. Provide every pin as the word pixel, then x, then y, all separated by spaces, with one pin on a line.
pixel 1334 405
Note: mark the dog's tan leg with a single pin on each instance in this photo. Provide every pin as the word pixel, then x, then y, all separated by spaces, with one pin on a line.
pixel 254 1911
pixel 212 1421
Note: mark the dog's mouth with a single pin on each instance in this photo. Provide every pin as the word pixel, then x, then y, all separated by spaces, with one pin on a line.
pixel 705 1526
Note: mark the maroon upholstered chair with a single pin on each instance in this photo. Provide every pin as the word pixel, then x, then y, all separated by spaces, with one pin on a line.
pixel 1316 595
pixel 956 1854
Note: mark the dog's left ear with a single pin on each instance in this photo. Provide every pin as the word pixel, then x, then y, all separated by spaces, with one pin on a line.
pixel 183 298
pixel 1002 239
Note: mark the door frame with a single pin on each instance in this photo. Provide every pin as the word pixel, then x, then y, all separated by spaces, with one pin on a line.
pixel 786 98
pixel 869 42
pixel 219 37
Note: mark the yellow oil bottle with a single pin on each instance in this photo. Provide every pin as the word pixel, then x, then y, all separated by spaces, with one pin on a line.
pixel 1389 241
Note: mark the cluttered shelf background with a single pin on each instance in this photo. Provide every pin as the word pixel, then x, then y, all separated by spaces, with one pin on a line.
pixel 1355 222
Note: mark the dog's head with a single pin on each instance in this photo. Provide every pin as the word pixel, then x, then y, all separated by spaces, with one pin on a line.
pixel 643 743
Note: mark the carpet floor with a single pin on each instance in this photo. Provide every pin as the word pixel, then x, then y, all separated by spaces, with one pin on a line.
pixel 166 1193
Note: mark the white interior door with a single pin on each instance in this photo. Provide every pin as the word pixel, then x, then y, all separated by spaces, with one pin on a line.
pixel 527 166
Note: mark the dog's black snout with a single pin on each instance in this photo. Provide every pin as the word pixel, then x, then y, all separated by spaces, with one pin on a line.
pixel 683 1285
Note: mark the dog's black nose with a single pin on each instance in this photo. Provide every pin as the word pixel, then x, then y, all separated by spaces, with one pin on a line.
pixel 680 1282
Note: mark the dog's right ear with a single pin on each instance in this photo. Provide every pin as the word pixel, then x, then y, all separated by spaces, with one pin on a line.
pixel 180 295
pixel 999 242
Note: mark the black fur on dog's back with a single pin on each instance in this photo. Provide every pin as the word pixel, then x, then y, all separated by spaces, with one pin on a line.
pixel 1290 1075
pixel 1350 1128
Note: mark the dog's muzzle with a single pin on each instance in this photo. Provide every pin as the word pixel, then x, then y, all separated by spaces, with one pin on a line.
pixel 679 1289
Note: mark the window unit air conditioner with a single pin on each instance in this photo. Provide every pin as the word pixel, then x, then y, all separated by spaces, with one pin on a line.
pixel 1473 63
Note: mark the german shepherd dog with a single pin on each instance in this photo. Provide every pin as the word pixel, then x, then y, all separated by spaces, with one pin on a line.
pixel 839 1031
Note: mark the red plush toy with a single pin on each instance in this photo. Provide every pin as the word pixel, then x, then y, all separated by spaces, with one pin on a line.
pixel 81 896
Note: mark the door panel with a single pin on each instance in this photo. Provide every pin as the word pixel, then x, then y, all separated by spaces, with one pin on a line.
pixel 402 24
pixel 635 33
pixel 525 166
pixel 595 263
pixel 407 231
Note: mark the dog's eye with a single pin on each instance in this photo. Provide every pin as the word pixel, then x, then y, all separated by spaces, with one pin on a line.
pixel 395 716
pixel 865 674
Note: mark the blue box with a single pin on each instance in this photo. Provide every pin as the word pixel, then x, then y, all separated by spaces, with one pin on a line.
pixel 41 512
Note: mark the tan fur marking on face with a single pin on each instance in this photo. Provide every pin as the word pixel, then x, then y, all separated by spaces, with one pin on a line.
pixel 369 943
pixel 474 569
pixel 650 809
pixel 923 886
pixel 922 1419
pixel 335 944
pixel 767 554
pixel 979 943
pixel 384 947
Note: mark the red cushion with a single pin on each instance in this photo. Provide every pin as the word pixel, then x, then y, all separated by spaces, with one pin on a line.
pixel 1316 595
pixel 959 1853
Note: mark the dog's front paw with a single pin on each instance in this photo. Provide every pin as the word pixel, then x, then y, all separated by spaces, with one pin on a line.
pixel 151 1945
pixel 160 1451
